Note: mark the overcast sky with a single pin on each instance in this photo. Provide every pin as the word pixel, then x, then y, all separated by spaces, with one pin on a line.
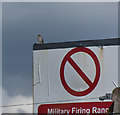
pixel 56 22
pixel 60 0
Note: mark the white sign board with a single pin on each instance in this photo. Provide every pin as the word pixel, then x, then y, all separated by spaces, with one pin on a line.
pixel 77 74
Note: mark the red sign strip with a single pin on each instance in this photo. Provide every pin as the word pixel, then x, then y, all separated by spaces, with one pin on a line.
pixel 74 108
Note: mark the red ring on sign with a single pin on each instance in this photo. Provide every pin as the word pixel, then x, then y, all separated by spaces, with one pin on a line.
pixel 68 58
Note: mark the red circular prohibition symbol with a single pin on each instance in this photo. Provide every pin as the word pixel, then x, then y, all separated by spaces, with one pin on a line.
pixel 68 58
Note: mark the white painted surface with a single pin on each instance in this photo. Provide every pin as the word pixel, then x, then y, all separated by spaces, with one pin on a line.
pixel 50 88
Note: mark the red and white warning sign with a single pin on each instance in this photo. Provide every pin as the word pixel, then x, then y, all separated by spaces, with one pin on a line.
pixel 73 77
pixel 68 58
pixel 75 108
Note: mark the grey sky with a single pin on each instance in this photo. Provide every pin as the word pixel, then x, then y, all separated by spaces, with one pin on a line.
pixel 60 0
pixel 56 22
pixel 0 55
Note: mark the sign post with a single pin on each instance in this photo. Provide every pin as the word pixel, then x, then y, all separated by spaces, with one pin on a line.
pixel 116 99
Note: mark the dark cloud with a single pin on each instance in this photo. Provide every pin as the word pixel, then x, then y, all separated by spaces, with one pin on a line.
pixel 56 22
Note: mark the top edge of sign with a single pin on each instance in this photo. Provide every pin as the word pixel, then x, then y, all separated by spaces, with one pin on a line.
pixel 83 43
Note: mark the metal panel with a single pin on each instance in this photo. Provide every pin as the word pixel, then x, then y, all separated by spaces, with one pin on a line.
pixel 86 43
pixel 48 87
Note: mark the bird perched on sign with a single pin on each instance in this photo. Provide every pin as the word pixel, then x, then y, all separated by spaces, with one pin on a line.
pixel 40 39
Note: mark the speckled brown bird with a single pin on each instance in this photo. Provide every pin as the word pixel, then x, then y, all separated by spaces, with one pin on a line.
pixel 40 39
